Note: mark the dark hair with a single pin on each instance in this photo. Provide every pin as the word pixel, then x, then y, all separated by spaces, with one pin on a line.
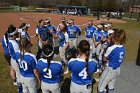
pixel 22 25
pixel 11 28
pixel 24 44
pixel 84 47
pixel 47 50
pixel 119 36
pixel 6 34
pixel 41 20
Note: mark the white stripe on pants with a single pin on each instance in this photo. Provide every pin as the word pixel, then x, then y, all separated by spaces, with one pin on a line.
pixel 47 88
pixel 108 77
pixel 75 88
pixel 29 85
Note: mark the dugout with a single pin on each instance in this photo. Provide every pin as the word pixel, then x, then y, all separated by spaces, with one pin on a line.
pixel 82 10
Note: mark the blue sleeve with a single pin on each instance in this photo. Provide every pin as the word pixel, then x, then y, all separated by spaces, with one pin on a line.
pixel 54 30
pixel 78 29
pixel 69 66
pixel 95 67
pixel 34 63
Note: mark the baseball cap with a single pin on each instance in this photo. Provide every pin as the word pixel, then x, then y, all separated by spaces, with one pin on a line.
pixel 99 26
pixel 105 25
pixel 48 20
pixel 71 21
pixel 109 25
pixel 63 19
pixel 110 31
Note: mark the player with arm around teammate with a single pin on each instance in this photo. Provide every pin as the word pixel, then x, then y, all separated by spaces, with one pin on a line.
pixel 27 65
pixel 82 69
pixel 50 71
pixel 13 48
pixel 89 31
pixel 114 57
pixel 5 40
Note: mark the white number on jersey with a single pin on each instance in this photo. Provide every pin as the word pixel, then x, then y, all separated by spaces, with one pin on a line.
pixel 83 74
pixel 121 57
pixel 48 74
pixel 23 65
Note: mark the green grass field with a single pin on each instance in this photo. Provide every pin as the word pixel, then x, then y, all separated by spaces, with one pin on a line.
pixel 132 29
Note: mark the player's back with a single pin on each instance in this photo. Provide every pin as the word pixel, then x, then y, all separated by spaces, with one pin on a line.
pixel 115 54
pixel 27 63
pixel 54 72
pixel 78 68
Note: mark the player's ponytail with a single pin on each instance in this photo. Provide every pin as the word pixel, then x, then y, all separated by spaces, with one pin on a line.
pixel 84 47
pixel 48 52
pixel 25 45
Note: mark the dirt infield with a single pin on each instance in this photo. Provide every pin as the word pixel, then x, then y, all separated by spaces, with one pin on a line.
pixel 32 18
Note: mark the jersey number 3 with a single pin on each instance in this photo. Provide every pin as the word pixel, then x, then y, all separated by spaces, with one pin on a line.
pixel 83 74
pixel 48 74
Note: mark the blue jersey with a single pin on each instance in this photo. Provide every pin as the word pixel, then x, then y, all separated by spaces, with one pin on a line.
pixel 43 32
pixel 5 46
pixel 62 38
pixel 78 68
pixel 54 72
pixel 51 28
pixel 13 47
pixel 27 64
pixel 105 34
pixel 115 54
pixel 72 31
pixel 89 31
pixel 98 35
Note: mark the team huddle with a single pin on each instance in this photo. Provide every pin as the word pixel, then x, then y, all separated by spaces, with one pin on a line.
pixel 101 52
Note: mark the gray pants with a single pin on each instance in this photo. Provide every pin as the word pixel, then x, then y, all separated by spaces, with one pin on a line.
pixel 29 85
pixel 108 77
pixel 92 46
pixel 16 68
pixel 72 42
pixel 75 88
pixel 53 88
pixel 62 54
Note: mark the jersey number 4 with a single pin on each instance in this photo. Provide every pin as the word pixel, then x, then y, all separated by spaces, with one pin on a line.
pixel 48 74
pixel 83 74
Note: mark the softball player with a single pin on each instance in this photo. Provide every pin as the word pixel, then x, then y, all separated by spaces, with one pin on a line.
pixel 63 21
pixel 114 56
pixel 82 69
pixel 43 36
pixel 89 31
pixel 98 35
pixel 73 32
pixel 7 56
pixel 63 41
pixel 50 71
pixel 24 30
pixel 104 43
pixel 52 31
pixel 27 65
pixel 13 48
